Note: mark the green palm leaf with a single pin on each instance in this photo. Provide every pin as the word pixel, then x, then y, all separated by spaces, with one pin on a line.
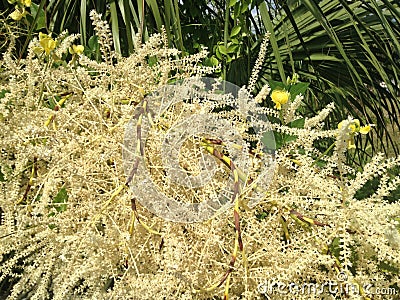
pixel 348 51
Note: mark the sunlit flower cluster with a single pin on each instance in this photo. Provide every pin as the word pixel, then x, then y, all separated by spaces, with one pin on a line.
pixel 19 11
pixel 69 228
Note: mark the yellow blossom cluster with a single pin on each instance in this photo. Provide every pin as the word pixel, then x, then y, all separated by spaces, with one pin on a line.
pixel 354 128
pixel 19 11
pixel 76 49
pixel 47 44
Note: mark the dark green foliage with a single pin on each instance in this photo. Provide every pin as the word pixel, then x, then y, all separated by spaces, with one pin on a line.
pixel 60 200
pixel 372 185
pixel 346 51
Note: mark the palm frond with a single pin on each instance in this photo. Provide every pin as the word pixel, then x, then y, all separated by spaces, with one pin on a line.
pixel 348 51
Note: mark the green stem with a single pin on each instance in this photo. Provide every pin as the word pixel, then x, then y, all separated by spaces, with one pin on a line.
pixel 31 29
pixel 42 87
pixel 226 28
pixel 323 154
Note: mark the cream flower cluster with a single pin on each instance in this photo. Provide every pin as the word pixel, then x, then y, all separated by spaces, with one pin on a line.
pixel 67 228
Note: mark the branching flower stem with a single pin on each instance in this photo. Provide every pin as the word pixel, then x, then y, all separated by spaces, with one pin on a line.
pixel 30 183
pixel 238 174
pixel 139 153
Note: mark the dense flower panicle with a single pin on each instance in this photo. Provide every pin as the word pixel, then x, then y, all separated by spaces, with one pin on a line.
pixel 104 35
pixel 318 119
pixel 65 40
pixel 65 232
pixel 262 95
pixel 290 114
pixel 258 65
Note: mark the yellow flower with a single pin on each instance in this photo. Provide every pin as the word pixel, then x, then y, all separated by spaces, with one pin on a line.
pixel 280 97
pixel 47 43
pixel 365 129
pixel 76 49
pixel 18 13
pixel 355 128
pixel 27 3
pixel 351 144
